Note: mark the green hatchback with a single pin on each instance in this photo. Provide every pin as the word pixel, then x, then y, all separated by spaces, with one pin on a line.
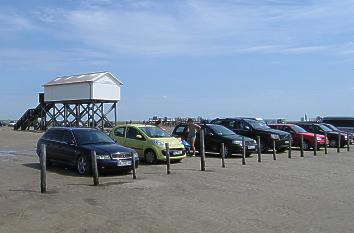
pixel 149 141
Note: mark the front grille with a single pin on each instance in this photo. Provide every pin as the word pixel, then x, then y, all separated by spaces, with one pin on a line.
pixel 121 155
pixel 249 143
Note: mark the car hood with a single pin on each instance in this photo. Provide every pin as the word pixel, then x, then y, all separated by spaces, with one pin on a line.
pixel 107 148
pixel 234 137
pixel 273 131
pixel 172 141
pixel 312 135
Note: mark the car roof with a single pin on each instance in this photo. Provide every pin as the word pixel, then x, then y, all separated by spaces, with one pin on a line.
pixel 72 128
pixel 136 125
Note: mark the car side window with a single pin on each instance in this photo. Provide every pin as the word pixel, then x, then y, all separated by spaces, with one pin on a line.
pixel 132 133
pixel 67 137
pixel 119 132
pixel 237 125
pixel 230 124
pixel 180 129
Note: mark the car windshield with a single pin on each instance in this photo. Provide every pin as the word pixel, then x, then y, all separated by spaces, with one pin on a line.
pixel 332 127
pixel 257 124
pixel 84 137
pixel 325 128
pixel 221 130
pixel 298 129
pixel 155 132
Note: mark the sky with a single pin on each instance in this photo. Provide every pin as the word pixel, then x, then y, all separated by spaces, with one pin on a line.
pixel 259 58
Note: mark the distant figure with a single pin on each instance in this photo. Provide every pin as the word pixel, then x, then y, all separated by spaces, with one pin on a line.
pixel 192 133
pixel 158 123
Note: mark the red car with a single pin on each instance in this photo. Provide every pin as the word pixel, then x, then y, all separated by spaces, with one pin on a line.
pixel 296 132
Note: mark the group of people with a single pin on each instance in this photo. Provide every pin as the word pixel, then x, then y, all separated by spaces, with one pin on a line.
pixel 192 130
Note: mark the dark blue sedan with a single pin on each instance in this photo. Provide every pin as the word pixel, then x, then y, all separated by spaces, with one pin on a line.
pixel 73 146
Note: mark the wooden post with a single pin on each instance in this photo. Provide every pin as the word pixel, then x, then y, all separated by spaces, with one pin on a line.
pixel 94 168
pixel 202 148
pixel 168 160
pixel 302 146
pixel 43 163
pixel 338 142
pixel 134 167
pixel 348 144
pixel 274 151
pixel 289 152
pixel 326 148
pixel 222 152
pixel 315 146
pixel 259 149
pixel 243 151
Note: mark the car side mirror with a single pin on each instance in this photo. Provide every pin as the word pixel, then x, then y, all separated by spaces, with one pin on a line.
pixel 139 137
pixel 72 143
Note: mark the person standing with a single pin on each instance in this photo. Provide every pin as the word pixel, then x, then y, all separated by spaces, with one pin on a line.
pixel 192 133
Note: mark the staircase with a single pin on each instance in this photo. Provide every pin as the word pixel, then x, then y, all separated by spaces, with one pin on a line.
pixel 30 117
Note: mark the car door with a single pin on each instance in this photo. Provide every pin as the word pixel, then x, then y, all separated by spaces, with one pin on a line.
pixel 244 129
pixel 68 148
pixel 134 139
pixel 119 135
pixel 211 140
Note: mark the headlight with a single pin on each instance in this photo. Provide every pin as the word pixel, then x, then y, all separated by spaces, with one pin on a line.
pixel 237 142
pixel 274 136
pixel 159 143
pixel 254 141
pixel 345 137
pixel 103 157
pixel 136 155
pixel 319 139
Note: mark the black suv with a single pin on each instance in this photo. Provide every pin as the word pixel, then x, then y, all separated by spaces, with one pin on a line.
pixel 319 128
pixel 217 134
pixel 73 146
pixel 252 128
pixel 335 129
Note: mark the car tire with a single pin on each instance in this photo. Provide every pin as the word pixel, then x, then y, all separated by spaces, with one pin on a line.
pixel 83 165
pixel 49 163
pixel 150 157
pixel 264 148
pixel 228 152
pixel 306 146
pixel 281 150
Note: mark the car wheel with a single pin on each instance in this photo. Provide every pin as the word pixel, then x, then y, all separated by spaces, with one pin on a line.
pixel 282 150
pixel 150 157
pixel 264 148
pixel 83 166
pixel 306 145
pixel 227 151
pixel 49 163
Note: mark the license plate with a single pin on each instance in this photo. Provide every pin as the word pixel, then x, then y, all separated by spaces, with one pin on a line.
pixel 286 142
pixel 251 147
pixel 122 163
pixel 178 152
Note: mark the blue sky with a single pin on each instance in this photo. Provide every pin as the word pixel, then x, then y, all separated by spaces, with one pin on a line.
pixel 266 58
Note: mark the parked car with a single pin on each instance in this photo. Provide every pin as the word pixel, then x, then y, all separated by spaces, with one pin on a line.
pixel 345 124
pixel 296 132
pixel 12 123
pixel 149 141
pixel 335 129
pixel 73 146
pixel 1 124
pixel 215 135
pixel 251 127
pixel 322 129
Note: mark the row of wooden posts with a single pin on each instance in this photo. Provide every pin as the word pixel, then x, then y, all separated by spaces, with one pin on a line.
pixel 202 156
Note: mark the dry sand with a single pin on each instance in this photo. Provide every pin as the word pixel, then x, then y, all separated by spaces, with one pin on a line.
pixel 304 195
